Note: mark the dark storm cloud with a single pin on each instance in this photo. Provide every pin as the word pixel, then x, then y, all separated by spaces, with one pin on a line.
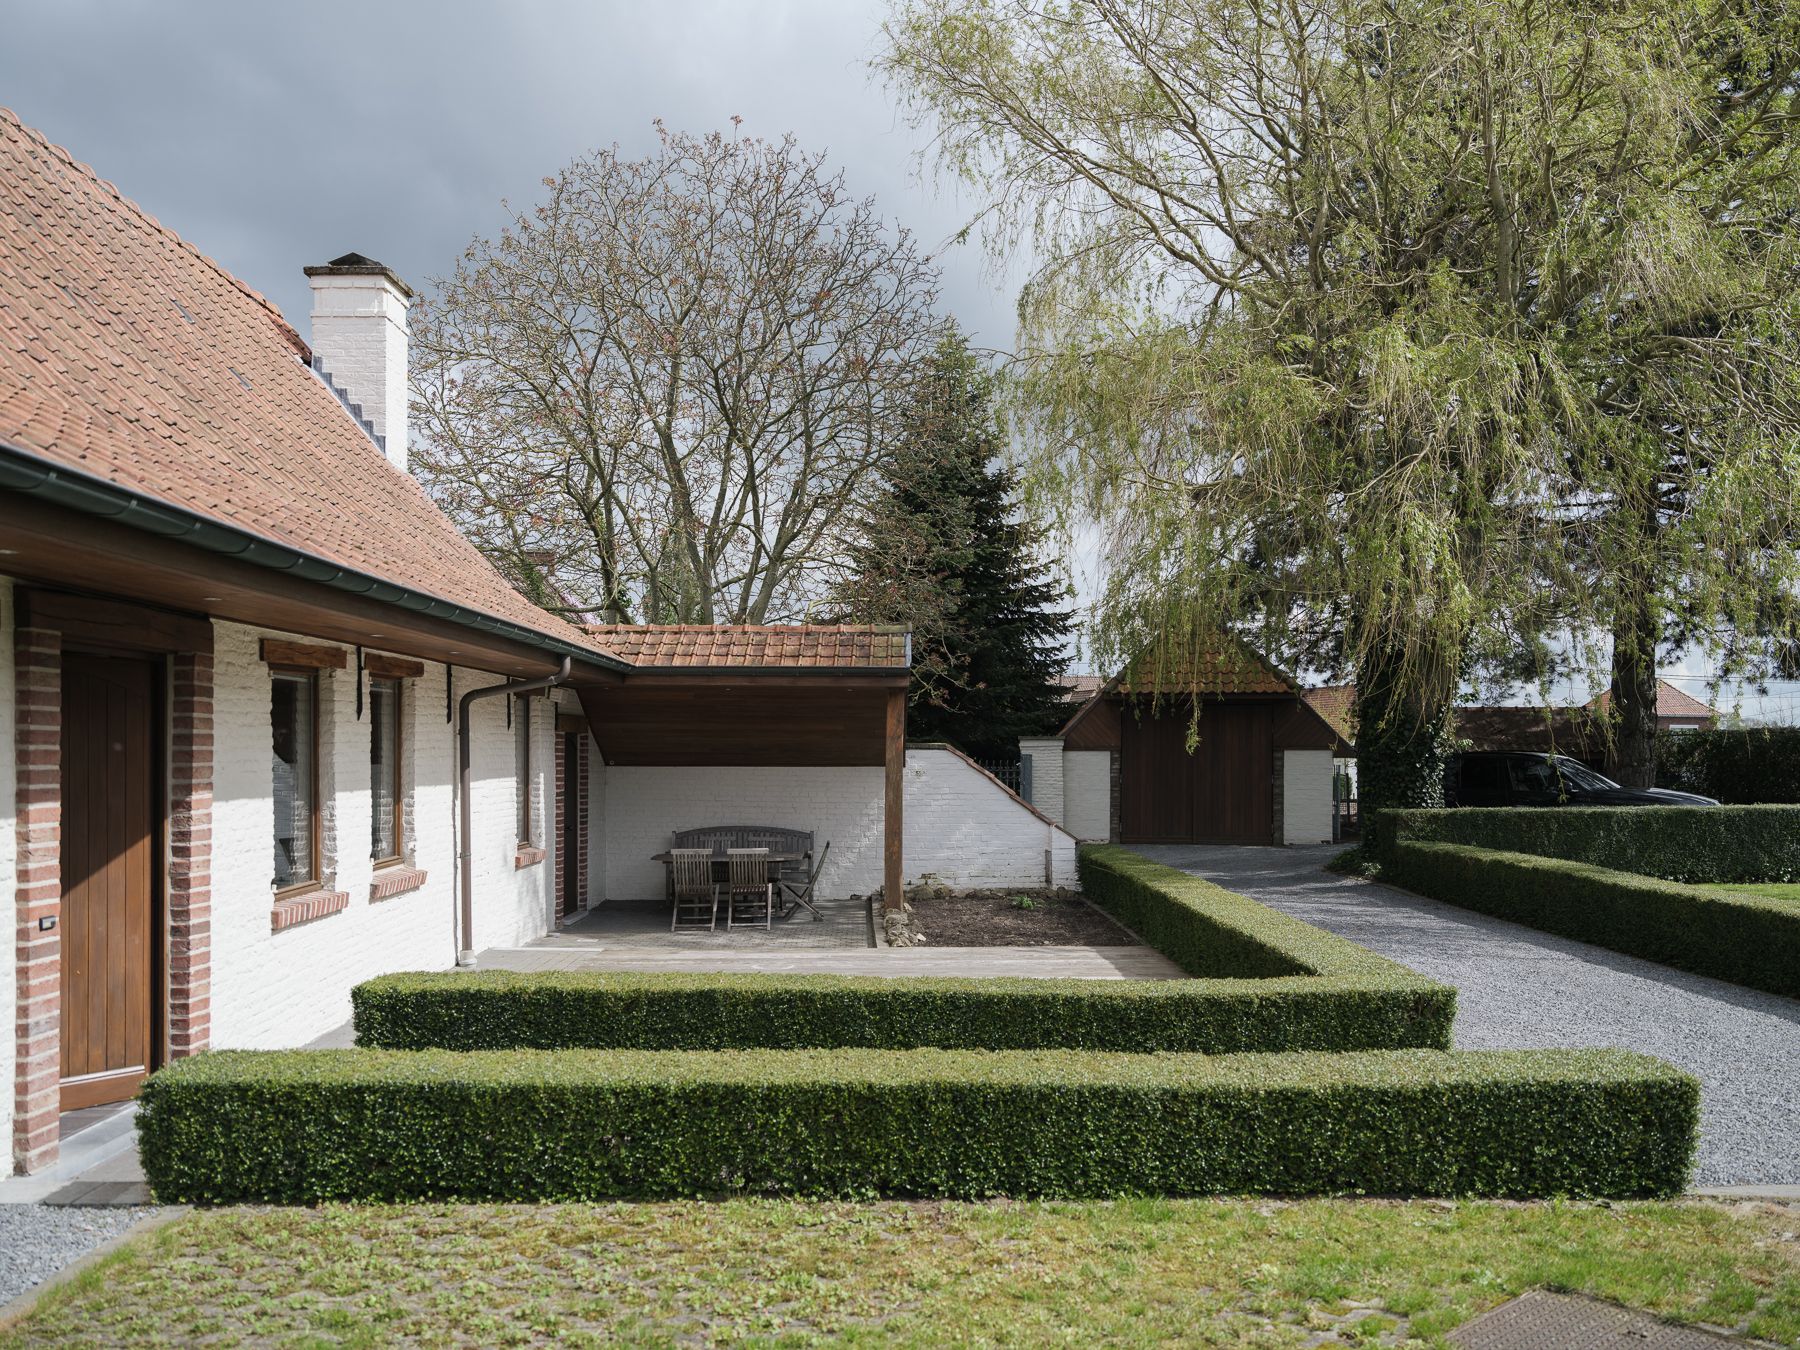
pixel 276 135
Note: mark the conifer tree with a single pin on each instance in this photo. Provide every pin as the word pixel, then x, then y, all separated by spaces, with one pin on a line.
pixel 945 552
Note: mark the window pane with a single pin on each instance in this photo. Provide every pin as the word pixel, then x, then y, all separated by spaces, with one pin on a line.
pixel 295 776
pixel 522 764
pixel 384 768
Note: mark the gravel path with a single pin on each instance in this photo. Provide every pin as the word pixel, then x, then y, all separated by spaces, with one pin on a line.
pixel 36 1241
pixel 1517 987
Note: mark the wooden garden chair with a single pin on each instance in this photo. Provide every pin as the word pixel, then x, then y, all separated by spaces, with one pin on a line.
pixel 696 896
pixel 749 889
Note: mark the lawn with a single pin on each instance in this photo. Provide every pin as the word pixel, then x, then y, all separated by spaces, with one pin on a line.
pixel 1239 1272
pixel 1786 892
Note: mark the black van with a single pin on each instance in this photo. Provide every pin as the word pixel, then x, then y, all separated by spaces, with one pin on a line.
pixel 1522 778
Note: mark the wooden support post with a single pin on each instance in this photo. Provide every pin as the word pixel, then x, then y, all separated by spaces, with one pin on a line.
pixel 893 871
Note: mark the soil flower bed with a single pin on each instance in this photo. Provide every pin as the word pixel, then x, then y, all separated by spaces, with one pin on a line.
pixel 1011 918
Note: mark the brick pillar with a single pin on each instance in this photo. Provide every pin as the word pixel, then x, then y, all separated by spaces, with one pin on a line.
pixel 37 1090
pixel 190 854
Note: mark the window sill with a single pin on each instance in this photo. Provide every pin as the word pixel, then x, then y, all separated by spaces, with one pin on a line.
pixel 528 856
pixel 305 907
pixel 396 880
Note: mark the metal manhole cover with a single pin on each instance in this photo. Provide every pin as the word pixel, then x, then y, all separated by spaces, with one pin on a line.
pixel 1540 1320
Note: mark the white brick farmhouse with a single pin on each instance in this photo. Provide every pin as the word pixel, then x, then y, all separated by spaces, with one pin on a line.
pixel 237 645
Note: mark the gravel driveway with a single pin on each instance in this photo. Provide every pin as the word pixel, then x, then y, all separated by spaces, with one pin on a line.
pixel 1517 987
pixel 36 1241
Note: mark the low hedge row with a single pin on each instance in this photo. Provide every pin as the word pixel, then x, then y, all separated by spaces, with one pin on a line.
pixel 1741 938
pixel 1702 844
pixel 1268 983
pixel 303 1127
pixel 498 1010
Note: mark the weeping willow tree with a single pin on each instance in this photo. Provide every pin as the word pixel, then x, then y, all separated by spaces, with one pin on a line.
pixel 1353 319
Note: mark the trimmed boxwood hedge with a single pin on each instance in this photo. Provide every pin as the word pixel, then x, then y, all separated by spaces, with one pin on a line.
pixel 1745 939
pixel 1296 988
pixel 1717 844
pixel 303 1127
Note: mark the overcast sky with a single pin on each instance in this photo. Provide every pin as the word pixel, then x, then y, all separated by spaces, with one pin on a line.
pixel 276 135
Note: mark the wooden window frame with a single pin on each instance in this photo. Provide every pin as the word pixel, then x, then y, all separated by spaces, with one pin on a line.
pixel 397 686
pixel 316 881
pixel 522 732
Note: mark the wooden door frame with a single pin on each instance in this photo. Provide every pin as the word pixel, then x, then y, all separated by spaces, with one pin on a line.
pixel 157 923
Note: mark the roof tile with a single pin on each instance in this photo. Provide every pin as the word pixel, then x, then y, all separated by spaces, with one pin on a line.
pixel 127 354
pixel 756 646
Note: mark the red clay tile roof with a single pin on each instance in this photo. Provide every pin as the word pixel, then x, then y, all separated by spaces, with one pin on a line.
pixel 127 354
pixel 846 646
pixel 1219 668
pixel 1670 702
pixel 1333 703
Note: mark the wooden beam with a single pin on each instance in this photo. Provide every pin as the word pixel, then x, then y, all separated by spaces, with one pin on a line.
pixel 107 623
pixel 893 869
pixel 278 652
pixel 385 667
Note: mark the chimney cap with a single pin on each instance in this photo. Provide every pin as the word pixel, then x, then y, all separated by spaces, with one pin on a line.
pixel 358 265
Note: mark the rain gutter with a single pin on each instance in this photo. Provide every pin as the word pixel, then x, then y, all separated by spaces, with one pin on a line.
pixel 75 490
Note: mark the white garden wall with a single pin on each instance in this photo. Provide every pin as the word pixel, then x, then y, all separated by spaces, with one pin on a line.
pixel 1306 796
pixel 9 970
pixel 1087 794
pixel 966 829
pixel 1047 791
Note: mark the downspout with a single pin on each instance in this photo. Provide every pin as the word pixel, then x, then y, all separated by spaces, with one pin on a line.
pixel 465 955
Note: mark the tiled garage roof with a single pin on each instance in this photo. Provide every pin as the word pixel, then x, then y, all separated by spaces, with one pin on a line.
pixel 1334 703
pixel 799 646
pixel 128 355
pixel 1219 668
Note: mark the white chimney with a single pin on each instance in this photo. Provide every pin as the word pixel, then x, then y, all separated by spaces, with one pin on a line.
pixel 359 343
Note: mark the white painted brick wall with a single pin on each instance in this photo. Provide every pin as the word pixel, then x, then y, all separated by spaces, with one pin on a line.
pixel 960 825
pixel 359 336
pixel 645 805
pixel 1306 796
pixel 1087 794
pixel 282 989
pixel 968 830
pixel 9 961
pixel 1048 793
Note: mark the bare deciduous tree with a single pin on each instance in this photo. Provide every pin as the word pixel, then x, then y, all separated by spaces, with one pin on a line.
pixel 661 395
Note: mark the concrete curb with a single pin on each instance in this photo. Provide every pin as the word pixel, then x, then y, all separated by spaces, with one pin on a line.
pixel 21 1307
pixel 1783 1194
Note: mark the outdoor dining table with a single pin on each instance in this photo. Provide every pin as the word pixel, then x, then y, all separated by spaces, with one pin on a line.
pixel 721 870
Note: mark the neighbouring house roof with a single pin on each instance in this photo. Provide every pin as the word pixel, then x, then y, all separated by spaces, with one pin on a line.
pixel 129 356
pixel 1522 727
pixel 1334 703
pixel 757 646
pixel 1670 702
pixel 1080 688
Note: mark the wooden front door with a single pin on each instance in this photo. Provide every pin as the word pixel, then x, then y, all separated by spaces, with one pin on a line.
pixel 110 810
pixel 1223 793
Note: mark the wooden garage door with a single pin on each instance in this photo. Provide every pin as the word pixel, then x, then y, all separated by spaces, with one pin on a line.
pixel 109 817
pixel 1223 792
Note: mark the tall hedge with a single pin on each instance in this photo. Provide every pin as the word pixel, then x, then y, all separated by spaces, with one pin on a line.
pixel 1740 766
pixel 1745 939
pixel 301 1127
pixel 1268 982
pixel 1703 844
